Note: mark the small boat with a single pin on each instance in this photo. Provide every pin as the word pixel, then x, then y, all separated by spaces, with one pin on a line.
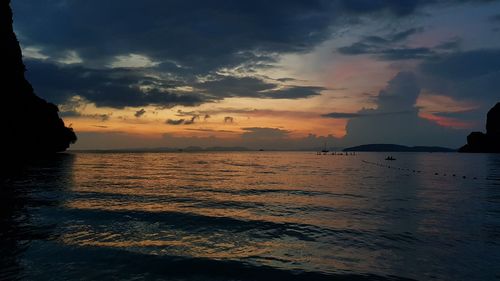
pixel 324 150
pixel 390 158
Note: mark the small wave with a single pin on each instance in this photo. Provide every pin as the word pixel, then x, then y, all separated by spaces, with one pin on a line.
pixel 257 191
pixel 103 262
pixel 198 223
pixel 241 164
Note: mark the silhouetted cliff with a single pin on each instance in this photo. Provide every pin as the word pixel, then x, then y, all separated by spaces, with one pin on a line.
pixel 489 142
pixel 29 124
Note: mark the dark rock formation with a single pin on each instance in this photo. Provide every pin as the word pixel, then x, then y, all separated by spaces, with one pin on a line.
pixel 29 124
pixel 489 142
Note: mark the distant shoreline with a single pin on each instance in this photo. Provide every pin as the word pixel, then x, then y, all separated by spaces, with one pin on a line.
pixel 360 148
pixel 398 148
pixel 229 151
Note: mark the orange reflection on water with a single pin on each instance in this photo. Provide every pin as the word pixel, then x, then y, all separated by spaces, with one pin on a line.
pixel 223 200
pixel 320 212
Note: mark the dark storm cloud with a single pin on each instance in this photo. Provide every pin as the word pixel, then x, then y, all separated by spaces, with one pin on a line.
pixel 188 34
pixel 345 115
pixel 387 51
pixel 293 92
pixel 495 18
pixel 189 39
pixel 464 65
pixel 341 115
pixel 286 79
pixel 405 53
pixel 120 87
pixel 398 8
pixel 403 35
pixel 199 35
pixel 229 86
pixel 472 76
pixel 452 44
pixel 393 38
pixel 115 88
pixel 388 48
pixel 358 48
pixel 465 75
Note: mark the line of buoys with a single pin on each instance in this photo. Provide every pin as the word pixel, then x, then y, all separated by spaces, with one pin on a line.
pixel 414 171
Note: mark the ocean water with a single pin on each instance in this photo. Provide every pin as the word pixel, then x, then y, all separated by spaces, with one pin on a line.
pixel 251 216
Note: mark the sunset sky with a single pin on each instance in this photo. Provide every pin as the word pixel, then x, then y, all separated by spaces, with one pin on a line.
pixel 264 74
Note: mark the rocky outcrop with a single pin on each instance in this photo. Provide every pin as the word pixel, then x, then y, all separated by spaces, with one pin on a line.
pixel 489 142
pixel 29 124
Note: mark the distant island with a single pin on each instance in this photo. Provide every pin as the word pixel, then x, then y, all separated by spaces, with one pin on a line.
pixel 397 148
pixel 489 142
pixel 30 125
pixel 169 149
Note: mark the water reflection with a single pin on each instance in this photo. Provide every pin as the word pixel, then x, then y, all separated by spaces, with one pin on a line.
pixel 252 216
pixel 24 188
pixel 491 203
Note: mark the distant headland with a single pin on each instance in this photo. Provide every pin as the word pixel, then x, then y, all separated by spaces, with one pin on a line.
pixel 30 125
pixel 489 142
pixel 397 148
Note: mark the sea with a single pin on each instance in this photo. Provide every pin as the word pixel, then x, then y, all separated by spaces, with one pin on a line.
pixel 251 216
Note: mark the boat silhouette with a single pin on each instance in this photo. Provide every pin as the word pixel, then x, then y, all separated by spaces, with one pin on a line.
pixel 324 151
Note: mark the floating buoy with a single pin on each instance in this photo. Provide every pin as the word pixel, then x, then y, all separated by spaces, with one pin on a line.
pixel 413 170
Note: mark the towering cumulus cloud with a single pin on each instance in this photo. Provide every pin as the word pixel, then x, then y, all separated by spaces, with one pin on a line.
pixel 396 118
pixel 29 124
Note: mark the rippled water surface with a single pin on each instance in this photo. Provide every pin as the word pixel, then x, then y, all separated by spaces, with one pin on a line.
pixel 251 216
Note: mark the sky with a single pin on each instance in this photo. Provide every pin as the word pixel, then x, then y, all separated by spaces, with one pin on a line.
pixel 264 74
